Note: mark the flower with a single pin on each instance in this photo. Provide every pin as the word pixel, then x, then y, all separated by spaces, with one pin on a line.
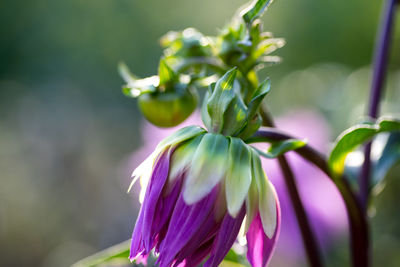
pixel 197 188
pixel 316 190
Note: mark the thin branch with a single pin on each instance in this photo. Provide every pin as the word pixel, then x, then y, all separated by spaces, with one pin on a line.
pixel 380 65
pixel 357 218
pixel 310 243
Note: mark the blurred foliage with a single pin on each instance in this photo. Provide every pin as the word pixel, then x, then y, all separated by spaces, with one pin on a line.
pixel 66 128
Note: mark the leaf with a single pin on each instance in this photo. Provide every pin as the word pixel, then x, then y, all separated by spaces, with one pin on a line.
pixel 226 263
pixel 255 10
pixel 387 124
pixel 119 251
pixel 165 73
pixel 279 148
pixel 389 157
pixel 346 142
pixel 355 136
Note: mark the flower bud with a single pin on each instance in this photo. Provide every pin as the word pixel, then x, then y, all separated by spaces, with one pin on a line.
pixel 170 108
pixel 165 100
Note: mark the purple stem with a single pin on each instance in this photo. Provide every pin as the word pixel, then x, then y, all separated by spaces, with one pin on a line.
pixel 357 219
pixel 378 78
pixel 309 240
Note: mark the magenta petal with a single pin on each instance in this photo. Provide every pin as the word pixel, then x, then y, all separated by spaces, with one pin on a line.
pixel 142 239
pixel 153 193
pixel 185 222
pixel 198 243
pixel 260 247
pixel 225 238
pixel 137 242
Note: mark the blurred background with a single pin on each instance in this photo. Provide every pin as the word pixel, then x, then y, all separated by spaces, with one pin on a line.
pixel 67 133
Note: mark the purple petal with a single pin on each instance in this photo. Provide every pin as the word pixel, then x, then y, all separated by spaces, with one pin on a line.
pixel 165 207
pixel 225 238
pixel 205 235
pixel 142 239
pixel 185 222
pixel 260 247
pixel 198 256
pixel 137 242
pixel 153 193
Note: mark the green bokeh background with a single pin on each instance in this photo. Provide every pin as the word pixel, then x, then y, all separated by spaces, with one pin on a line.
pixel 66 128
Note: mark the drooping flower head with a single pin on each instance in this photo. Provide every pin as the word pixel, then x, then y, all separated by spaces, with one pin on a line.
pixel 198 186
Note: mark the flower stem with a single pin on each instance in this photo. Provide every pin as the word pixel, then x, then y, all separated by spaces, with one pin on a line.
pixel 357 218
pixel 310 243
pixel 379 71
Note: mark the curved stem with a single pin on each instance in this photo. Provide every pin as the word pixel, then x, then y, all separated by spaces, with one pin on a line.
pixel 379 71
pixel 310 243
pixel 357 218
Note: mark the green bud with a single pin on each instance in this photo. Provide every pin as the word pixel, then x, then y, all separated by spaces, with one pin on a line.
pixel 169 108
pixel 165 100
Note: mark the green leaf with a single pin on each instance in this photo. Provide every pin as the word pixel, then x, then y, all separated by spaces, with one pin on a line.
pixel 279 148
pixel 117 252
pixel 389 157
pixel 387 124
pixel 346 142
pixel 226 263
pixel 255 10
pixel 165 73
pixel 355 136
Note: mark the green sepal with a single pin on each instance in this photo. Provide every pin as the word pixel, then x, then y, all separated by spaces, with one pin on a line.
pixel 255 10
pixel 224 106
pixel 258 97
pixel 208 167
pixel 355 136
pixel 252 197
pixel 134 86
pixel 166 74
pixel 118 252
pixel 180 136
pixel 183 156
pixel 238 177
pixel 266 196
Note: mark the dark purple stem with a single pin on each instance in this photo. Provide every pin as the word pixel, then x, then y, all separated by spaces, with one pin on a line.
pixel 378 78
pixel 310 243
pixel 357 218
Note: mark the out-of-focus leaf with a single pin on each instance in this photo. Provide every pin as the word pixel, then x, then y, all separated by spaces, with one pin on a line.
pixel 278 148
pixel 255 10
pixel 355 136
pixel 389 156
pixel 126 73
pixel 118 252
pixel 226 263
pixel 346 142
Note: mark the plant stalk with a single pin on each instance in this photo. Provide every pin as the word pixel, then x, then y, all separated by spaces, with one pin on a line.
pixel 381 53
pixel 357 218
pixel 310 243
